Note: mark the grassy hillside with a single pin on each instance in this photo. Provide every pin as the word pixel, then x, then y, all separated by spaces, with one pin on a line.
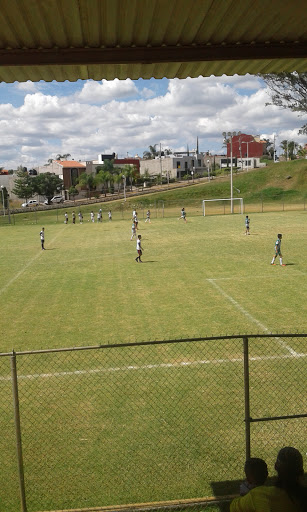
pixel 284 180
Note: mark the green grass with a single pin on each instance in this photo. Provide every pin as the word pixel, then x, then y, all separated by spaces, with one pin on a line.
pixel 88 287
pixel 161 429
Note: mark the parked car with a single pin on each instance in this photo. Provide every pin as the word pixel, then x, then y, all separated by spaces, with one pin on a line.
pixel 55 199
pixel 31 202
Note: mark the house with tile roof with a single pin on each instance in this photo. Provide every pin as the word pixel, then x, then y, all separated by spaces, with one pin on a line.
pixel 68 170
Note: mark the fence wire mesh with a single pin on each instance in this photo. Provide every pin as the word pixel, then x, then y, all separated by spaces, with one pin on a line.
pixel 159 209
pixel 147 422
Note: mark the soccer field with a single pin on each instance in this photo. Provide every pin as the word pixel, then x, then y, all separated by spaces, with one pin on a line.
pixel 200 278
pixel 150 422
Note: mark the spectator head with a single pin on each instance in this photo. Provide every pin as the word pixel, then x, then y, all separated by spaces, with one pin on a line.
pixel 256 471
pixel 289 463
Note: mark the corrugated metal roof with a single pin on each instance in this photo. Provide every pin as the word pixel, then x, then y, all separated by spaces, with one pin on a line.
pixel 71 39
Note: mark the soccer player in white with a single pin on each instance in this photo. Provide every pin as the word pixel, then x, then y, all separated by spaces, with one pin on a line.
pixel 136 221
pixel 133 230
pixel 183 215
pixel 148 216
pixel 139 249
pixel 278 251
pixel 92 217
pixel 42 235
pixel 247 225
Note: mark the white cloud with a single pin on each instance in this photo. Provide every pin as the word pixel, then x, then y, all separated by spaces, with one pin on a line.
pixel 27 86
pixel 147 93
pixel 118 116
pixel 99 92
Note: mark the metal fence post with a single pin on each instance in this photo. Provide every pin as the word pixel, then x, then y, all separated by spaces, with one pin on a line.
pixel 246 398
pixel 18 434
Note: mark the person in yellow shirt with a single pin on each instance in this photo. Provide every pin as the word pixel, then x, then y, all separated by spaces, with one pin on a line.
pixel 287 495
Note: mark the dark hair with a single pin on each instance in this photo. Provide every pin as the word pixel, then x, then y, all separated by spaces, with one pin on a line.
pixel 290 470
pixel 257 470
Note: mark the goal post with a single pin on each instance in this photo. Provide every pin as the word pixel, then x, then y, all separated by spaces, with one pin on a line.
pixel 223 205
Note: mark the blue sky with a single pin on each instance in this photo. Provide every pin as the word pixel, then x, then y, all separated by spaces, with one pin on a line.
pixel 85 118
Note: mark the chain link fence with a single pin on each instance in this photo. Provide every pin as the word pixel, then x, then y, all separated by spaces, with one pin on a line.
pixel 159 208
pixel 147 422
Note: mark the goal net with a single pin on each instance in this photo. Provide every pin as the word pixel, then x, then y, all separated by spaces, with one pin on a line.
pixel 222 206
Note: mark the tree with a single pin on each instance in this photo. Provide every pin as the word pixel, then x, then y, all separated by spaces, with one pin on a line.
pixel 103 177
pixel 21 168
pixel 289 147
pixel 64 157
pixel 23 185
pixel 288 91
pixel 118 178
pixel 88 181
pixel 73 192
pixel 130 171
pixel 302 152
pixel 269 149
pixel 108 165
pixel 4 197
pixel 47 184
pixel 105 174
pixel 152 153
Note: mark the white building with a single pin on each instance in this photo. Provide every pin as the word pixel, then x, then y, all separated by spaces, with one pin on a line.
pixel 175 165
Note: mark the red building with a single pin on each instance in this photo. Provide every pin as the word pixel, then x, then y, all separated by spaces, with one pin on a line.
pixel 246 146
pixel 128 161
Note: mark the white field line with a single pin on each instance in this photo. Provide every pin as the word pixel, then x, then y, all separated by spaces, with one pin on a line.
pixel 267 276
pixel 24 268
pixel 250 317
pixel 182 364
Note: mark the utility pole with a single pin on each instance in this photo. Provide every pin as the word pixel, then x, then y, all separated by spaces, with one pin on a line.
pixel 229 136
pixel 274 150
pixel 160 165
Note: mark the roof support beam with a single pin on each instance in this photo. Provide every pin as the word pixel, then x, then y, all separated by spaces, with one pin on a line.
pixel 149 55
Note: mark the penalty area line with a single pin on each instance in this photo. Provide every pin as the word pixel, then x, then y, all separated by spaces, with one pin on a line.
pixel 182 364
pixel 295 273
pixel 250 317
